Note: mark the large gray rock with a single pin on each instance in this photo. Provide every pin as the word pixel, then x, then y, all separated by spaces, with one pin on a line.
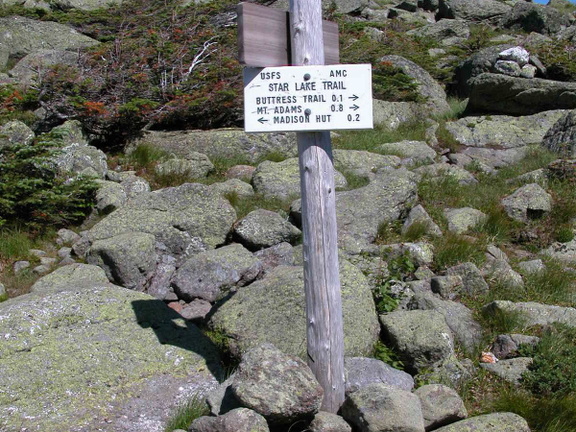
pixel 490 159
pixel 362 371
pixel 237 420
pixel 328 422
pixel 20 36
pixel 441 405
pixel 195 165
pixel 473 282
pixel 109 197
pixel 427 86
pixel 220 143
pixel 262 228
pixel 503 131
pixel 502 94
pixel 361 211
pixel 497 269
pixel 510 370
pixel 209 275
pixel 478 63
pixel 29 70
pixel 378 407
pixel 443 29
pixel 272 310
pixel 418 215
pixel 98 357
pixel 76 156
pixel 467 331
pixel 362 163
pixel 128 259
pixel 533 313
pixel 187 219
pixel 496 422
pixel 533 17
pixel 561 137
pixel 278 386
pixel 281 180
pixel 422 337
pixel 15 132
pixel 85 5
pixel 475 11
pixel 527 203
pixel 414 151
pixel 461 220
pixel 564 252
pixel 77 274
pixel 442 170
pixel 392 114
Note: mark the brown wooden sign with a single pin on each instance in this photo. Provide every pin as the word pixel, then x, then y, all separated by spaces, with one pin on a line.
pixel 264 37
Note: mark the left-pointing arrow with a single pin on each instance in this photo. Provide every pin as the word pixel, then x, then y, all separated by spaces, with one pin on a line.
pixel 262 120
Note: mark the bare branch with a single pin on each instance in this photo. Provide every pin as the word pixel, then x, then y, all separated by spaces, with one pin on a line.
pixel 201 56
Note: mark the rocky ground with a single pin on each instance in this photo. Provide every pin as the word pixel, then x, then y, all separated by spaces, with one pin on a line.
pixel 196 290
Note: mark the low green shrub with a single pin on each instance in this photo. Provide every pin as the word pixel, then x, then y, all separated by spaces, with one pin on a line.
pixel 559 58
pixel 33 194
pixel 390 83
pixel 553 370
pixel 383 353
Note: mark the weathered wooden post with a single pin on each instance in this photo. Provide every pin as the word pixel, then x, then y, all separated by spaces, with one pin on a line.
pixel 311 99
pixel 325 334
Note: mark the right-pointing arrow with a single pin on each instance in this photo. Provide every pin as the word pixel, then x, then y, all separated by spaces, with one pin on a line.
pixel 354 107
pixel 353 97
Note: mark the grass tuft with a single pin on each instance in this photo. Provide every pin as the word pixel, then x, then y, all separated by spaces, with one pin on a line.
pixel 186 413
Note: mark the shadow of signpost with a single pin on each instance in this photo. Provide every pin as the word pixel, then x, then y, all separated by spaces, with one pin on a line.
pixel 156 315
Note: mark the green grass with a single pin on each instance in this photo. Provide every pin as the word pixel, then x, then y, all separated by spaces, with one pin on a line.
pixel 146 154
pixel 452 249
pixel 15 244
pixel 556 414
pixel 186 413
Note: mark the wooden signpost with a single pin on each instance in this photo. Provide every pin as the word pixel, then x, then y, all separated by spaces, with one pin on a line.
pixel 290 98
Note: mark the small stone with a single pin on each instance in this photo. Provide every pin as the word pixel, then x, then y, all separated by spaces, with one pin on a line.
pixel 241 172
pixel 507 67
pixel 528 71
pixel 516 54
pixel 328 422
pixel 510 370
pixel 461 220
pixel 66 237
pixel 20 265
pixel 533 266
pixel 41 269
pixel 47 261
pixel 448 287
pixel 64 252
pixel 37 253
pixel 378 407
pixel 441 405
pixel 196 310
pixel 175 306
